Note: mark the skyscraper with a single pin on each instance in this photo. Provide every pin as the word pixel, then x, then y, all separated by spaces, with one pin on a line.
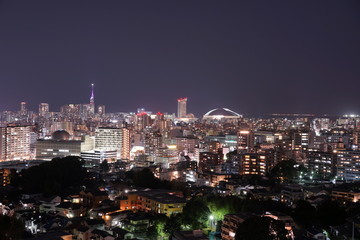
pixel 125 144
pixel 15 143
pixel 101 110
pixel 109 139
pixel 92 100
pixel 43 109
pixel 182 107
pixel 245 141
pixel 23 108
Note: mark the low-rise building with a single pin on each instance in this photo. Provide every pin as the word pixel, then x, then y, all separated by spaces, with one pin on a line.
pixel 345 195
pixel 158 201
pixel 231 223
pixel 93 198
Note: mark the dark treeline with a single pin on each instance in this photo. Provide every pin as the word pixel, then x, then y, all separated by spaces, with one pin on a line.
pixel 60 176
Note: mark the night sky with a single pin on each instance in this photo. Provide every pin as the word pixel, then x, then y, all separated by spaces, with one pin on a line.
pixel 250 56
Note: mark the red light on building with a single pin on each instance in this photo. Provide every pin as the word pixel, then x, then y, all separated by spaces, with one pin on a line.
pixel 182 99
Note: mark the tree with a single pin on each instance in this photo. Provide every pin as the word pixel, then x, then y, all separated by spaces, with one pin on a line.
pixel 104 166
pixel 331 213
pixel 158 227
pixel 196 214
pixel 262 228
pixel 144 178
pixel 305 214
pixel 287 170
pixel 60 176
pixel 10 228
pixel 173 223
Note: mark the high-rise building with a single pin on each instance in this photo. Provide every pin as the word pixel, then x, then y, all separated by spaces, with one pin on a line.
pixel 101 110
pixel 2 143
pixel 186 144
pixel 253 163
pixel 118 139
pixel 107 138
pixel 43 109
pixel 322 163
pixel 15 143
pixel 152 142
pixel 182 107
pixel 245 141
pixel 300 141
pixel 141 121
pixel 125 144
pixel 348 165
pixel 23 108
pixel 92 100
pixel 208 161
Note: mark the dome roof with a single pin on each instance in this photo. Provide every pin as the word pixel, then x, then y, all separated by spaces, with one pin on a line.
pixel 61 135
pixel 221 113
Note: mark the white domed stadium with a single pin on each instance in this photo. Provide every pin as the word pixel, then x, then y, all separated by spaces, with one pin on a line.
pixel 221 113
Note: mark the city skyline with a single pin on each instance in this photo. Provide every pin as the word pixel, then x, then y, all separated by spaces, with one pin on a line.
pixel 254 58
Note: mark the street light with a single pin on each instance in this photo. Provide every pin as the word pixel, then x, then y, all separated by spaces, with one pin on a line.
pixel 211 218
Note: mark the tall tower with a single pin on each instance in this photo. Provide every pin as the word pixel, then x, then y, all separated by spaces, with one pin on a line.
pixel 43 109
pixel 23 108
pixel 182 107
pixel 92 100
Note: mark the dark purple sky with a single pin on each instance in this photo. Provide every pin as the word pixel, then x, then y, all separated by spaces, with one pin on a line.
pixel 250 56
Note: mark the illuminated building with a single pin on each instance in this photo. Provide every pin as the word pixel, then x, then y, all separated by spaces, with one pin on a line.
pixel 212 178
pixel 300 141
pixel 253 163
pixel 208 161
pixel 15 143
pixel 322 163
pixel 214 146
pixel 187 144
pixel 291 194
pixel 125 144
pixel 4 177
pixel 113 139
pixel 92 100
pixel 62 126
pixel 141 121
pixel 23 108
pixel 152 142
pixel 108 139
pixel 160 123
pixel 221 114
pixel 96 157
pixel 93 198
pixel 76 110
pixel 245 141
pixel 347 195
pixel 61 146
pixel 101 110
pixel 231 223
pixel 286 219
pixel 348 165
pixel 43 109
pixel 231 141
pixel 135 224
pixel 158 201
pixel 182 108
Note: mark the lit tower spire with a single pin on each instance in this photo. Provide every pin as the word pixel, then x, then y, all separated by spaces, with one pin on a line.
pixel 92 100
